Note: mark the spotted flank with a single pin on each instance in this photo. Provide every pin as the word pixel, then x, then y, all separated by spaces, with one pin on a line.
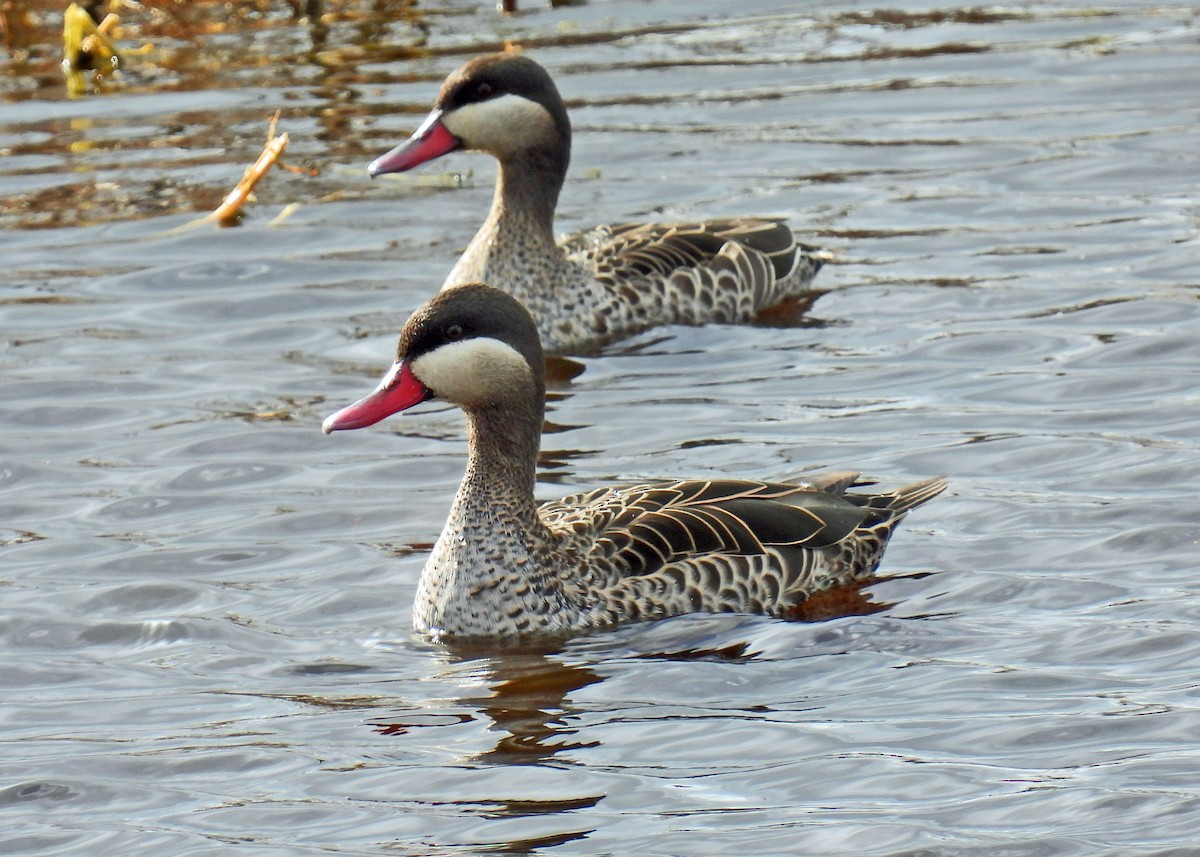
pixel 608 282
pixel 506 567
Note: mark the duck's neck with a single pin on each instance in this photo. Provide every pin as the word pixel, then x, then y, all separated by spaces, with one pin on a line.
pixel 498 483
pixel 484 569
pixel 517 237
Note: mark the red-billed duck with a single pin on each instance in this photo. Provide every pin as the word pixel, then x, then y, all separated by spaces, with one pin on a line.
pixel 608 282
pixel 506 567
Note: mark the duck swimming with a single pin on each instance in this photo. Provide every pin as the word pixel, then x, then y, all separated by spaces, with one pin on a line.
pixel 608 282
pixel 506 567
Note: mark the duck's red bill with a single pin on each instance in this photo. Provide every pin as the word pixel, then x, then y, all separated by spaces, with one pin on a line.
pixel 398 391
pixel 430 141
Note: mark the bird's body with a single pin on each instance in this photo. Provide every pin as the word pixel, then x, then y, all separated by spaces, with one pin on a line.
pixel 607 282
pixel 506 567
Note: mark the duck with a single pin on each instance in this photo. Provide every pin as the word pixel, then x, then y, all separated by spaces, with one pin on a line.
pixel 506 567
pixel 608 282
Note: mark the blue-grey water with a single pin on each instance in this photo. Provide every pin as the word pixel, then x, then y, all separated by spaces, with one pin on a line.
pixel 204 602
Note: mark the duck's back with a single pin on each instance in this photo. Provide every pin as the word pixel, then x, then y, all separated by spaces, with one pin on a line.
pixel 626 251
pixel 723 545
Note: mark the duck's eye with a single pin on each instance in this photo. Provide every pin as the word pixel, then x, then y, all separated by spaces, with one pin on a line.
pixel 484 90
pixel 454 332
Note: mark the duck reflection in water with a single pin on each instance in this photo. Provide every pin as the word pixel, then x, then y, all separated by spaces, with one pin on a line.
pixel 526 691
pixel 524 694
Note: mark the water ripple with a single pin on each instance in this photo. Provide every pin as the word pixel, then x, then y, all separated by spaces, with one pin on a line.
pixel 206 600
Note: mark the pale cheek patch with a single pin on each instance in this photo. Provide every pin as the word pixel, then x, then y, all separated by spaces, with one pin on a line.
pixel 503 125
pixel 473 372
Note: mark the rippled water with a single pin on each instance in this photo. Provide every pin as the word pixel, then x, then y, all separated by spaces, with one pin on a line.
pixel 204 603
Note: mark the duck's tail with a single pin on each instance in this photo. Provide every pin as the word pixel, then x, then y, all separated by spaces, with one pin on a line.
pixel 902 500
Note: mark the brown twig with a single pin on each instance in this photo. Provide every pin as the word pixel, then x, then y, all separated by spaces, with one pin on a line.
pixel 236 198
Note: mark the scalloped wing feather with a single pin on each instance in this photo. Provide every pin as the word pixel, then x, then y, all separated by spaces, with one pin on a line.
pixel 631 251
pixel 657 523
pixel 714 545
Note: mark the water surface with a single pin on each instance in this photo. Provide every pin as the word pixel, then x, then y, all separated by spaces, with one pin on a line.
pixel 204 602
